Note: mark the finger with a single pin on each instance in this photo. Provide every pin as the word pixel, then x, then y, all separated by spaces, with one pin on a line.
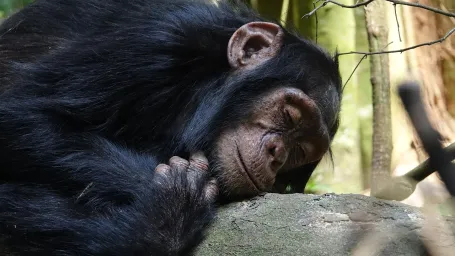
pixel 198 162
pixel 178 164
pixel 211 190
pixel 163 169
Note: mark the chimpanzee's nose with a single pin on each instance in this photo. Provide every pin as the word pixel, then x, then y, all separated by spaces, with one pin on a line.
pixel 276 152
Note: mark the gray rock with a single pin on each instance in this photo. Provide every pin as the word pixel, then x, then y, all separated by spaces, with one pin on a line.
pixel 308 225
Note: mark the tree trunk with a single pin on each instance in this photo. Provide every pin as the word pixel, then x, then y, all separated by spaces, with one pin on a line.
pixel 364 99
pixel 377 27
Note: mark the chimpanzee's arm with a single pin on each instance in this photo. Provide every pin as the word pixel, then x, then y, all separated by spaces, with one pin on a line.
pixel 73 194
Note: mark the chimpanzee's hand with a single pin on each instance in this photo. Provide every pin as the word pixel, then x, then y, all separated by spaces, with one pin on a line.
pixel 183 202
pixel 191 176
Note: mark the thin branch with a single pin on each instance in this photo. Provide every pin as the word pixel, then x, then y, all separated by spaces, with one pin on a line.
pixel 358 64
pixel 325 2
pixel 398 23
pixel 429 8
pixel 317 22
pixel 417 5
pixel 404 49
pixel 353 71
pixel 445 9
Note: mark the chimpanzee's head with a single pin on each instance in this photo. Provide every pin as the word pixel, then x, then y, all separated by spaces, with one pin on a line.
pixel 278 113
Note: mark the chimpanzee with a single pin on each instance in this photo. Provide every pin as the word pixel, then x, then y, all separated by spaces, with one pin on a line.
pixel 123 122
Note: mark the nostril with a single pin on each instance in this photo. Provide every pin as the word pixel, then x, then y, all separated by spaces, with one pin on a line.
pixel 277 151
pixel 272 151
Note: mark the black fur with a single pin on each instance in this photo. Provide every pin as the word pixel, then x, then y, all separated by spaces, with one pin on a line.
pixel 95 93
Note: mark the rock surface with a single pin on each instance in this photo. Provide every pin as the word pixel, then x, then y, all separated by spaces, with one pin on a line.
pixel 316 225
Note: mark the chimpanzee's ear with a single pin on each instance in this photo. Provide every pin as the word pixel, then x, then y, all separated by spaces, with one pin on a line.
pixel 254 43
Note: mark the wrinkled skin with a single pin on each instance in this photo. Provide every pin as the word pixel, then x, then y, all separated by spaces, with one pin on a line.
pixel 283 132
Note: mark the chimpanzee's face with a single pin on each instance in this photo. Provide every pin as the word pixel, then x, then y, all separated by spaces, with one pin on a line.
pixel 284 129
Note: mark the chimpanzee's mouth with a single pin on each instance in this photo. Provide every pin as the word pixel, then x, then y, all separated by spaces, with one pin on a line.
pixel 242 166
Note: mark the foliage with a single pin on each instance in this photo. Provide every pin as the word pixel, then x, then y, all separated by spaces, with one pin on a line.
pixel 9 6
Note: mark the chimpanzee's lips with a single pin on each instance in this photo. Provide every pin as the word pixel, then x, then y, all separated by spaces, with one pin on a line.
pixel 242 166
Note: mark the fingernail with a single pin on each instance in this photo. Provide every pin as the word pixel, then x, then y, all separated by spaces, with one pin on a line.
pixel 199 155
pixel 162 168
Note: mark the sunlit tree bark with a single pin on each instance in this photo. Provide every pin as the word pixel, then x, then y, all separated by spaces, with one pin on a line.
pixel 433 66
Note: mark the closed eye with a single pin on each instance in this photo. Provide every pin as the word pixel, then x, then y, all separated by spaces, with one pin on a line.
pixel 288 117
pixel 292 115
pixel 297 156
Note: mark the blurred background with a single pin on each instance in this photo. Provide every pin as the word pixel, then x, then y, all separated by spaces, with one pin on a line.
pixel 345 30
pixel 9 6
